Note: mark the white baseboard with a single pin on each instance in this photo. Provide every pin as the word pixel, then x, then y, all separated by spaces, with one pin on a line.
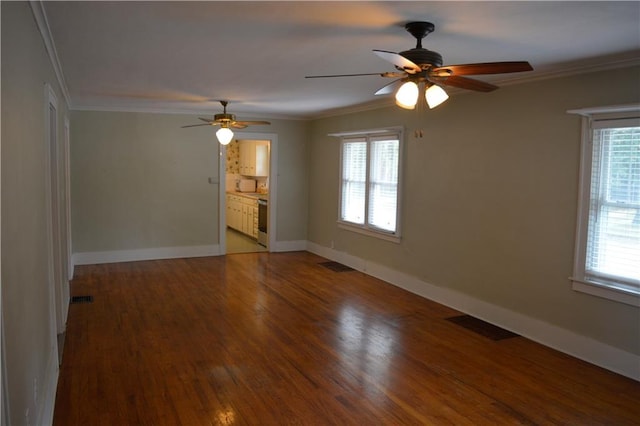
pixel 96 257
pixel 46 405
pixel 116 256
pixel 299 245
pixel 558 338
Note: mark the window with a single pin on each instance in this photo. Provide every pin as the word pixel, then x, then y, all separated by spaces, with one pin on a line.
pixel 608 237
pixel 369 183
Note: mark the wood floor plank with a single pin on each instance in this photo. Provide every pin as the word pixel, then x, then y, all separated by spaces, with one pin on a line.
pixel 276 339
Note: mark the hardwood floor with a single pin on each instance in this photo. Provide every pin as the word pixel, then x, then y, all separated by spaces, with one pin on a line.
pixel 278 339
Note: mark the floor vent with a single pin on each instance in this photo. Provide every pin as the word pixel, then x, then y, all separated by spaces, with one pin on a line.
pixel 483 328
pixel 336 267
pixel 81 299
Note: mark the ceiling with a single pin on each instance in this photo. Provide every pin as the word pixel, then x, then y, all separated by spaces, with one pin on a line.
pixel 184 56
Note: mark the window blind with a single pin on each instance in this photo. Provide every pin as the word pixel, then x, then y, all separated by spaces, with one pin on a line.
pixel 354 178
pixel 383 183
pixel 613 236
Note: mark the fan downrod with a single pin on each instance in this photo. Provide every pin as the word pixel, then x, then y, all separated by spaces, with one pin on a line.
pixel 419 29
pixel 224 117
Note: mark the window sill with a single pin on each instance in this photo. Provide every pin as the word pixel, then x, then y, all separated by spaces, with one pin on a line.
pixel 376 234
pixel 607 291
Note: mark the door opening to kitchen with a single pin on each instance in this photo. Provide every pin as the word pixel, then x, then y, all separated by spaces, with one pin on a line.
pixel 247 195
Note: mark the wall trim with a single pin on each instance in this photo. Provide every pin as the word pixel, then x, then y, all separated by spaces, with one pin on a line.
pixel 160 108
pixel 294 245
pixel 39 14
pixel 156 253
pixel 116 256
pixel 46 408
pixel 563 340
pixel 5 408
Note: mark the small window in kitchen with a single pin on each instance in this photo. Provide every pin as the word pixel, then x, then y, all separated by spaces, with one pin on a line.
pixel 370 171
pixel 607 260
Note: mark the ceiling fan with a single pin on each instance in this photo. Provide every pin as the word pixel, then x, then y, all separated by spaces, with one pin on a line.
pixel 419 66
pixel 226 123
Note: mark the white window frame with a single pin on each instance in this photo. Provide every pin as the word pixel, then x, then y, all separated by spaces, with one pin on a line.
pixel 365 228
pixel 608 289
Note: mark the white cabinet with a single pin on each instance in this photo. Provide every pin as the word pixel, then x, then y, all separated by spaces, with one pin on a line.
pixel 254 158
pixel 234 212
pixel 247 219
pixel 242 214
pixel 254 226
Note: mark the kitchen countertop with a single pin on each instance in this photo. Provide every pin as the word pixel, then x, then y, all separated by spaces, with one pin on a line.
pixel 253 195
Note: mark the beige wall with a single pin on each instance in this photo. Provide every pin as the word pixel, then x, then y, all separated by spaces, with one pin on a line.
pixel 29 345
pixel 489 199
pixel 140 181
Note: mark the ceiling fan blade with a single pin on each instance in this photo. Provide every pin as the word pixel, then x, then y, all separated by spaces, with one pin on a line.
pixel 237 125
pixel 208 120
pixel 398 60
pixel 388 88
pixel 381 74
pixel 205 124
pixel 252 123
pixel 468 83
pixel 482 68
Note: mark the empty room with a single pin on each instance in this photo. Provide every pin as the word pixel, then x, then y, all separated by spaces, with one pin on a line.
pixel 320 213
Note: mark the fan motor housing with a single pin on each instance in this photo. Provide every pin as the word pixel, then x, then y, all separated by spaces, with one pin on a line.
pixel 422 57
pixel 224 117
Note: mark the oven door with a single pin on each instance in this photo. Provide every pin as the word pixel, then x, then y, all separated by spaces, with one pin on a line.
pixel 262 222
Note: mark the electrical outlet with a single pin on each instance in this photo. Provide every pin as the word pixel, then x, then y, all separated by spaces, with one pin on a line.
pixel 332 244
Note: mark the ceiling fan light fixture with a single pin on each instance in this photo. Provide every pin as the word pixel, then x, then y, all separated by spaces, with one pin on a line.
pixel 407 95
pixel 224 135
pixel 435 95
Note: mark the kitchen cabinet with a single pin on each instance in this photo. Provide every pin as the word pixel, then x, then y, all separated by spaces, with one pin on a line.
pixel 234 212
pixel 254 225
pixel 254 158
pixel 242 214
pixel 250 220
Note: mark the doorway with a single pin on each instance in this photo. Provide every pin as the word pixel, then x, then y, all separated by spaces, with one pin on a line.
pixel 247 201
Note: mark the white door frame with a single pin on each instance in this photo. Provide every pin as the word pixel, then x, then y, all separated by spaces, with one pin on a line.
pixel 66 158
pixel 5 419
pixel 273 188
pixel 52 211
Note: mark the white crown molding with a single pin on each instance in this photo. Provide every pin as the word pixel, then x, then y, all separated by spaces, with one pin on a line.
pixel 624 60
pixel 37 8
pixel 589 112
pixel 161 109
